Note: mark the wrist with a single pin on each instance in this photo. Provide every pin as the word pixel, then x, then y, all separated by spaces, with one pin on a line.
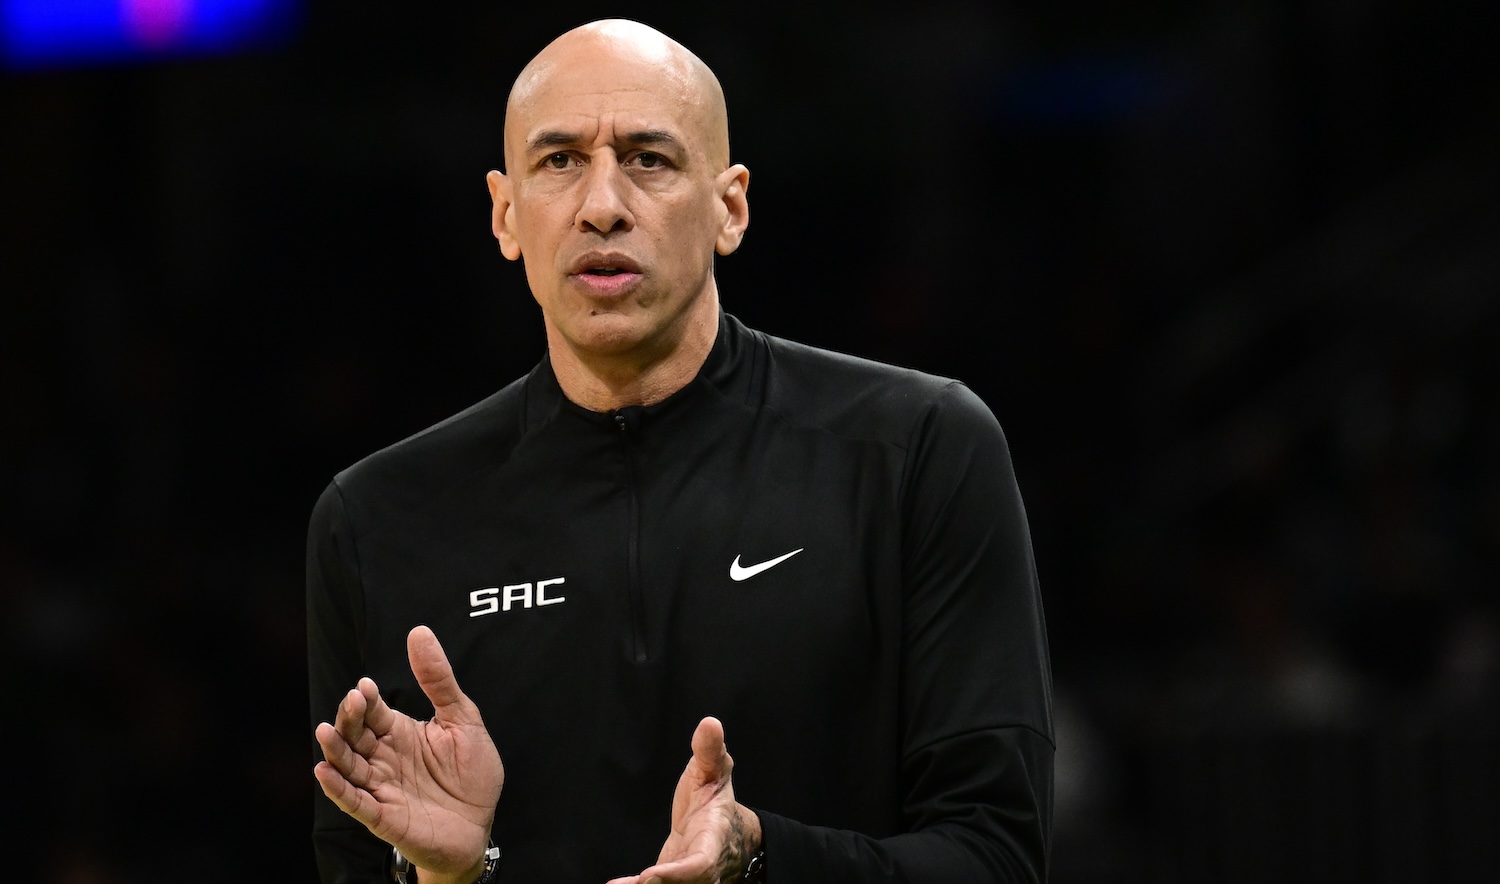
pixel 470 875
pixel 747 864
pixel 751 836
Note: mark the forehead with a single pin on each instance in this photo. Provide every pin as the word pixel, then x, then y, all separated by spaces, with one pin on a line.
pixel 582 94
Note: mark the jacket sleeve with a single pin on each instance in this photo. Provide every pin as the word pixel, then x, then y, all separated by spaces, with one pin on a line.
pixel 344 849
pixel 977 742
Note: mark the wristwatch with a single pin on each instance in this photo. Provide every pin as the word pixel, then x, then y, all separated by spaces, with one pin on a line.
pixel 755 869
pixel 402 871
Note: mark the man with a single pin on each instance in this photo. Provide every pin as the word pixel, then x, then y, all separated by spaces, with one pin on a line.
pixel 674 527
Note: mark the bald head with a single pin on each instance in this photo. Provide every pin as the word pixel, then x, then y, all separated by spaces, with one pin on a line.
pixel 618 196
pixel 612 61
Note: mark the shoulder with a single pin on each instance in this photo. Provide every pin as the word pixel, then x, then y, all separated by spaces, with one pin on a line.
pixel 426 464
pixel 861 397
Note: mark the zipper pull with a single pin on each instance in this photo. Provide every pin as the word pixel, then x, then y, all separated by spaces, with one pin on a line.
pixel 628 419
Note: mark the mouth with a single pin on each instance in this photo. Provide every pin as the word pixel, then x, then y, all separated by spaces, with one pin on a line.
pixel 604 264
pixel 606 275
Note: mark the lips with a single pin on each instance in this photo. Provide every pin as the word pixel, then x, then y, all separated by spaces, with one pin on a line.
pixel 604 264
pixel 605 274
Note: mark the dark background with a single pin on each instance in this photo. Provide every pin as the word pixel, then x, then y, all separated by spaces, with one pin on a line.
pixel 1227 272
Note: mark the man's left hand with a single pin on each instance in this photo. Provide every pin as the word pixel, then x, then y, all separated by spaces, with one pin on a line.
pixel 713 836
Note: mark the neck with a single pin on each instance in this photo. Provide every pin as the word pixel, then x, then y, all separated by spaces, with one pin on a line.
pixel 643 375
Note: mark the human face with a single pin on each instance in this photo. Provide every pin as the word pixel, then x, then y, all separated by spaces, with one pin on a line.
pixel 617 198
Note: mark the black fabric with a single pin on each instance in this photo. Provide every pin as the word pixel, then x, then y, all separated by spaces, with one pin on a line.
pixel 885 691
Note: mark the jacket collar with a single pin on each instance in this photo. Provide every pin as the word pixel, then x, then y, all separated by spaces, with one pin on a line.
pixel 729 370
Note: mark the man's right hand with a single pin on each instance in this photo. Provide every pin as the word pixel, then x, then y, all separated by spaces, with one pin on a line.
pixel 427 787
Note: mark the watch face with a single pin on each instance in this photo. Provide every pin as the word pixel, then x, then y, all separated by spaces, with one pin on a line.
pixel 755 870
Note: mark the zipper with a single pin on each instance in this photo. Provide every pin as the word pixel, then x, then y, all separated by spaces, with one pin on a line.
pixel 633 546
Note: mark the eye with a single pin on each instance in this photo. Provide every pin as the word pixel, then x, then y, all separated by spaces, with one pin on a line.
pixel 648 160
pixel 557 160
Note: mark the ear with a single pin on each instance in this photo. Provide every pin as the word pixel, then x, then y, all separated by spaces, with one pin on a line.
pixel 734 215
pixel 503 215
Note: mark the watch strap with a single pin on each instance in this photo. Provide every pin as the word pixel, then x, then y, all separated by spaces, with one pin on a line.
pixel 403 872
pixel 755 869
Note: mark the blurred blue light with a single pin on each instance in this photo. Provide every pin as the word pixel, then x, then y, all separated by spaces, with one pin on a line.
pixel 66 33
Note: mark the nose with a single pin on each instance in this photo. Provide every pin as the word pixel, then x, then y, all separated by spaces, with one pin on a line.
pixel 604 209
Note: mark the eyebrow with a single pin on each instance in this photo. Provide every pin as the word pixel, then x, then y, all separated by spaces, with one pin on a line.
pixel 559 138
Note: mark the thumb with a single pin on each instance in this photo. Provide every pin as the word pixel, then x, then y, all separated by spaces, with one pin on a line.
pixel 710 754
pixel 435 676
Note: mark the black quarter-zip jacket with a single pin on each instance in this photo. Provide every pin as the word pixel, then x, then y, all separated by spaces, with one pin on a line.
pixel 827 553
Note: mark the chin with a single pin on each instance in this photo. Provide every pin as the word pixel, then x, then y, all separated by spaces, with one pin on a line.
pixel 610 333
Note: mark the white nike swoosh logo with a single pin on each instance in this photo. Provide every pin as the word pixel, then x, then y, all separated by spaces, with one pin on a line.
pixel 738 573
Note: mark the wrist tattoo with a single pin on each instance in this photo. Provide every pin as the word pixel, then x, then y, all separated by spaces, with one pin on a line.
pixel 735 853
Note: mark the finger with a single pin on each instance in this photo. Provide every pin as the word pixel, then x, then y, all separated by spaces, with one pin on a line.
pixel 694 867
pixel 380 718
pixel 435 676
pixel 363 718
pixel 354 801
pixel 634 879
pixel 349 721
pixel 349 763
